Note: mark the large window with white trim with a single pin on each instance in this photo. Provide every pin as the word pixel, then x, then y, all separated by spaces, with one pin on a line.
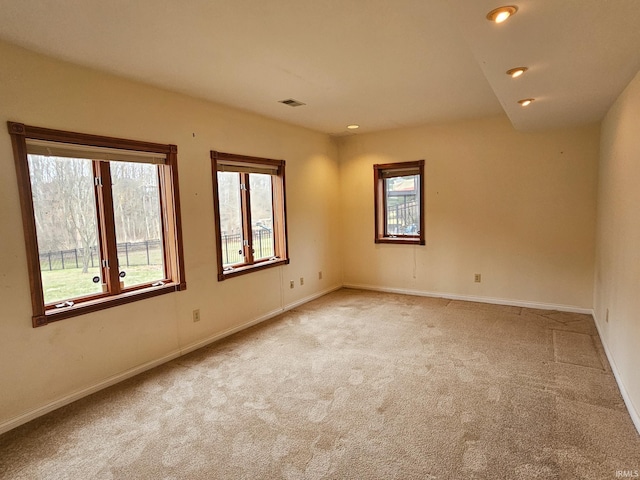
pixel 250 213
pixel 101 220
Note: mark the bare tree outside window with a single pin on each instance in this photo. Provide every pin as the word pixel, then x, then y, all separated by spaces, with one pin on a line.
pixel 101 220
pixel 230 217
pixel 66 221
pixel 136 211
pixel 249 207
pixel 261 215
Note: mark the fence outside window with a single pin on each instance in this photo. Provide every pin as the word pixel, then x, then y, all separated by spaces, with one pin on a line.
pixel 403 218
pixel 232 246
pixel 149 252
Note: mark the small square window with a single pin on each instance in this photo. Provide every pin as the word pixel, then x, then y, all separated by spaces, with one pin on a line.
pixel 399 199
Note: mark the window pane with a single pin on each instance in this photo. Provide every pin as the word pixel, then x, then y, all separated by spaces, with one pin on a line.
pixel 136 208
pixel 66 227
pixel 402 208
pixel 261 216
pixel 230 218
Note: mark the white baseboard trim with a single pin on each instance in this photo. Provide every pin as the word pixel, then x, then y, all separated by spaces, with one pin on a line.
pixel 471 298
pixel 33 414
pixel 67 399
pixel 304 300
pixel 219 336
pixel 226 333
pixel 633 411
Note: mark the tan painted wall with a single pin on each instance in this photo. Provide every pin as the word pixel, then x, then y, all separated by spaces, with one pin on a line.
pixel 42 365
pixel 617 283
pixel 518 208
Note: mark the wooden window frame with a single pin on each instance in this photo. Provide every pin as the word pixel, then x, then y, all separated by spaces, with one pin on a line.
pixel 387 170
pixel 170 214
pixel 281 248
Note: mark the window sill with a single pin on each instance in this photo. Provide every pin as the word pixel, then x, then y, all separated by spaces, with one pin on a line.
pixel 244 269
pixel 105 302
pixel 401 240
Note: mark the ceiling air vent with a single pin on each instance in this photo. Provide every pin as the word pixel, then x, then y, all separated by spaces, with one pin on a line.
pixel 292 103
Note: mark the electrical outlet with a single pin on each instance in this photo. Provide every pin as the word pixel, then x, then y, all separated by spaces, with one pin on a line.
pixel 606 318
pixel 292 284
pixel 196 315
pixel 477 278
pixel 319 275
pixel 301 281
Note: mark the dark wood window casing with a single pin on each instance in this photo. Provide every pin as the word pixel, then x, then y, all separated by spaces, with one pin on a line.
pixel 244 166
pixel 383 205
pixel 114 292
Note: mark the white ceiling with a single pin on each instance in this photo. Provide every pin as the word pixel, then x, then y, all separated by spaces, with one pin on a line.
pixel 379 63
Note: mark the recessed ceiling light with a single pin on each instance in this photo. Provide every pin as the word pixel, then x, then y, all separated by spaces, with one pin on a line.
pixel 526 101
pixel 500 14
pixel 353 126
pixel 516 72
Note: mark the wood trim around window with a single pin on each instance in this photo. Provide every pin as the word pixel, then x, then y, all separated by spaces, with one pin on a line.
pixel 280 232
pixel 18 133
pixel 172 231
pixel 174 252
pixel 380 171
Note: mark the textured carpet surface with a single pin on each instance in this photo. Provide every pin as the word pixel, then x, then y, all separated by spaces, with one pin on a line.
pixel 355 385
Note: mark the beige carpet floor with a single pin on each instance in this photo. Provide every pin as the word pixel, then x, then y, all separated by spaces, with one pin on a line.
pixel 355 385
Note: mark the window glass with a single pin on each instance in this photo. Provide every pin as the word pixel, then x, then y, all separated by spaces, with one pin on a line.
pixel 230 202
pixel 249 213
pixel 261 215
pixel 402 208
pixel 398 203
pixel 101 220
pixel 64 207
pixel 138 222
